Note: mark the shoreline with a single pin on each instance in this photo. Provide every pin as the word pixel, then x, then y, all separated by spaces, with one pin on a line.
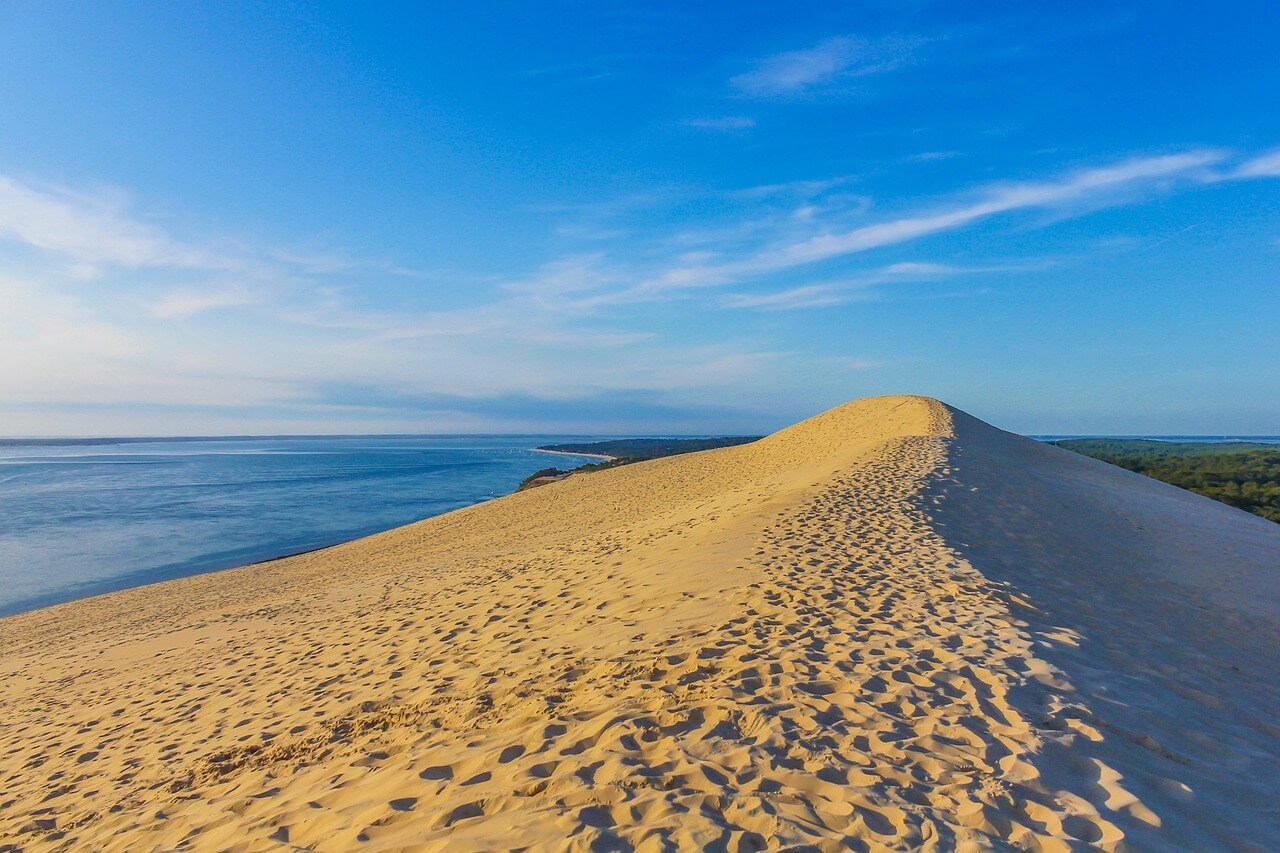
pixel 603 456
pixel 165 574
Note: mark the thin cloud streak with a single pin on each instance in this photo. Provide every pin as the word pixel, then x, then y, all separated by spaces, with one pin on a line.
pixel 1091 187
pixel 92 230
pixel 1126 182
pixel 97 230
pixel 722 123
pixel 860 288
pixel 187 302
pixel 1076 188
pixel 808 296
pixel 801 188
pixel 1266 166
pixel 828 61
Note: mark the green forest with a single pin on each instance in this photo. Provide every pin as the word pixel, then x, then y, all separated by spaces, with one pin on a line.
pixel 1245 475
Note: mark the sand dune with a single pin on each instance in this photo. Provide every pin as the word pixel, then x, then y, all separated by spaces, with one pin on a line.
pixel 889 626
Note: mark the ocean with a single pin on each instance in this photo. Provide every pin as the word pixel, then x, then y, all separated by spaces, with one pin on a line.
pixel 82 517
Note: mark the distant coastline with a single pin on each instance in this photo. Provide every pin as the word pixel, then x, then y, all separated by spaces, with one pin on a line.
pixel 637 449
pixel 602 456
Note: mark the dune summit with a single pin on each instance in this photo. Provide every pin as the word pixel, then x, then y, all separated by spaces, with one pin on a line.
pixel 891 625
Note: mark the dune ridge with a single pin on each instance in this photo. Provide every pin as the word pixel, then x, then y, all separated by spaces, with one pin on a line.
pixel 889 626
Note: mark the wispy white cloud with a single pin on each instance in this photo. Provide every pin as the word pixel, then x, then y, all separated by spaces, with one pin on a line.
pixel 861 287
pixel 1265 166
pixel 722 123
pixel 1086 189
pixel 805 188
pixel 827 62
pixel 924 269
pixel 806 236
pixel 931 156
pixel 91 229
pixel 1086 186
pixel 806 296
pixel 188 302
pixel 565 276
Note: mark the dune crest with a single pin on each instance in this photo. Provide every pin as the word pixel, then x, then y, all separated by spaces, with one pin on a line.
pixel 889 626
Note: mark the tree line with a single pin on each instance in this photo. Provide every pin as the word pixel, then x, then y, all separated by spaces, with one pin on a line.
pixel 1244 475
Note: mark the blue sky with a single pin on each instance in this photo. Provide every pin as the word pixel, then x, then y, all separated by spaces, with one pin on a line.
pixel 595 217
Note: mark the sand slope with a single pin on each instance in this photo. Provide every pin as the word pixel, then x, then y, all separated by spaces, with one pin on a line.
pixel 888 626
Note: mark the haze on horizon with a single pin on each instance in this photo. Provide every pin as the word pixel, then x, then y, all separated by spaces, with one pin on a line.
pixel 325 218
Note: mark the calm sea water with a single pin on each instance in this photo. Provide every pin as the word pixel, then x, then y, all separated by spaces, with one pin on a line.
pixel 79 519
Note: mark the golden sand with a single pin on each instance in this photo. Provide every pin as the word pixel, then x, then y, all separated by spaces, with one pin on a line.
pixel 890 626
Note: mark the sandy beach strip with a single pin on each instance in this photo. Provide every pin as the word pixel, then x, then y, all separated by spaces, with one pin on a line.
pixel 601 456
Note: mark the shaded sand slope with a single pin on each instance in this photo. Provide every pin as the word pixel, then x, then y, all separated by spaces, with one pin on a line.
pixel 888 626
pixel 1159 609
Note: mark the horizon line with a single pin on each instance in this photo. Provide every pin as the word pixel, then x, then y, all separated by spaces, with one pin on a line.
pixel 19 440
